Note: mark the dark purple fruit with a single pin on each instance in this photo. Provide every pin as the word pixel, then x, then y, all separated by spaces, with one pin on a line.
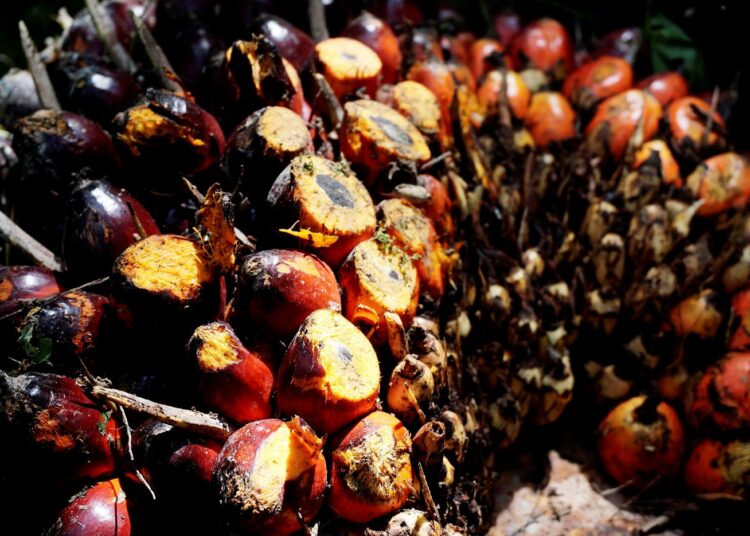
pixel 91 89
pixel 73 326
pixel 24 283
pixel 293 44
pixel 52 147
pixel 53 432
pixel 166 134
pixel 101 221
pixel 82 37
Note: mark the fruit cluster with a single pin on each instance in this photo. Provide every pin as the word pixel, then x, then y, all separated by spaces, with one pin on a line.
pixel 374 257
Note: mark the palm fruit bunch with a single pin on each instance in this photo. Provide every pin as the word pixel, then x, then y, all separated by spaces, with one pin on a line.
pixel 286 282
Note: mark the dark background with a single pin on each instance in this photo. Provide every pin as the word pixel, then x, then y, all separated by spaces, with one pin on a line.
pixel 716 29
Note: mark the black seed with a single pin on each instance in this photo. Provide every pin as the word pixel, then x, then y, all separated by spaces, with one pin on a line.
pixel 335 191
pixel 392 130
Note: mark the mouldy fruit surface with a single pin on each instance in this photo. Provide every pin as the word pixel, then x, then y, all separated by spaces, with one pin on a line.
pixel 371 472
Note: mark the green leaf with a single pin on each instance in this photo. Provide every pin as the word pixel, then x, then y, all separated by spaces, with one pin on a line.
pixel 101 426
pixel 672 49
pixel 37 351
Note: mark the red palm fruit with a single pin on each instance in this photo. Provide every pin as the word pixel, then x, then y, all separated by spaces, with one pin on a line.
pixel 550 118
pixel 168 132
pixel 327 203
pixel 424 45
pixel 270 476
pixel 545 45
pixel 297 104
pixel 399 12
pixel 166 280
pixel 722 182
pixel 418 104
pixel 666 87
pixel 617 118
pixel 740 340
pixel 278 288
pixel 330 373
pixel 19 283
pixel 52 147
pixel 700 314
pixel 479 56
pixel 437 77
pixel 374 135
pixel 622 43
pixel 656 153
pixel 517 93
pixel 54 431
pixel 597 80
pixel 348 65
pixel 718 469
pixel 293 44
pixel 100 509
pixel 378 35
pixel 506 25
pixel 234 381
pixel 722 394
pixel 440 206
pixel 73 326
pixel 455 49
pixel 262 145
pixel 413 232
pixel 376 280
pixel 688 119
pixel 101 221
pixel 371 472
pixel 641 439
pixel 462 75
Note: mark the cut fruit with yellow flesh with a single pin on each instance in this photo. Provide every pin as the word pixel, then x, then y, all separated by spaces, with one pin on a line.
pixel 218 348
pixel 329 198
pixel 283 131
pixel 418 104
pixel 371 126
pixel 387 277
pixel 269 473
pixel 350 368
pixel 166 264
pixel 348 65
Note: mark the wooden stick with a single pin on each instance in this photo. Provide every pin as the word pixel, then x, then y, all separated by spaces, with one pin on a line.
pixel 335 110
pixel 194 421
pixel 169 79
pixel 318 27
pixel 105 29
pixel 27 244
pixel 44 87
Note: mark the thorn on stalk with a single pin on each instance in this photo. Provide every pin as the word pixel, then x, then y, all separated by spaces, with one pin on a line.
pixel 105 30
pixel 335 110
pixel 38 69
pixel 317 15
pixel 28 245
pixel 156 56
